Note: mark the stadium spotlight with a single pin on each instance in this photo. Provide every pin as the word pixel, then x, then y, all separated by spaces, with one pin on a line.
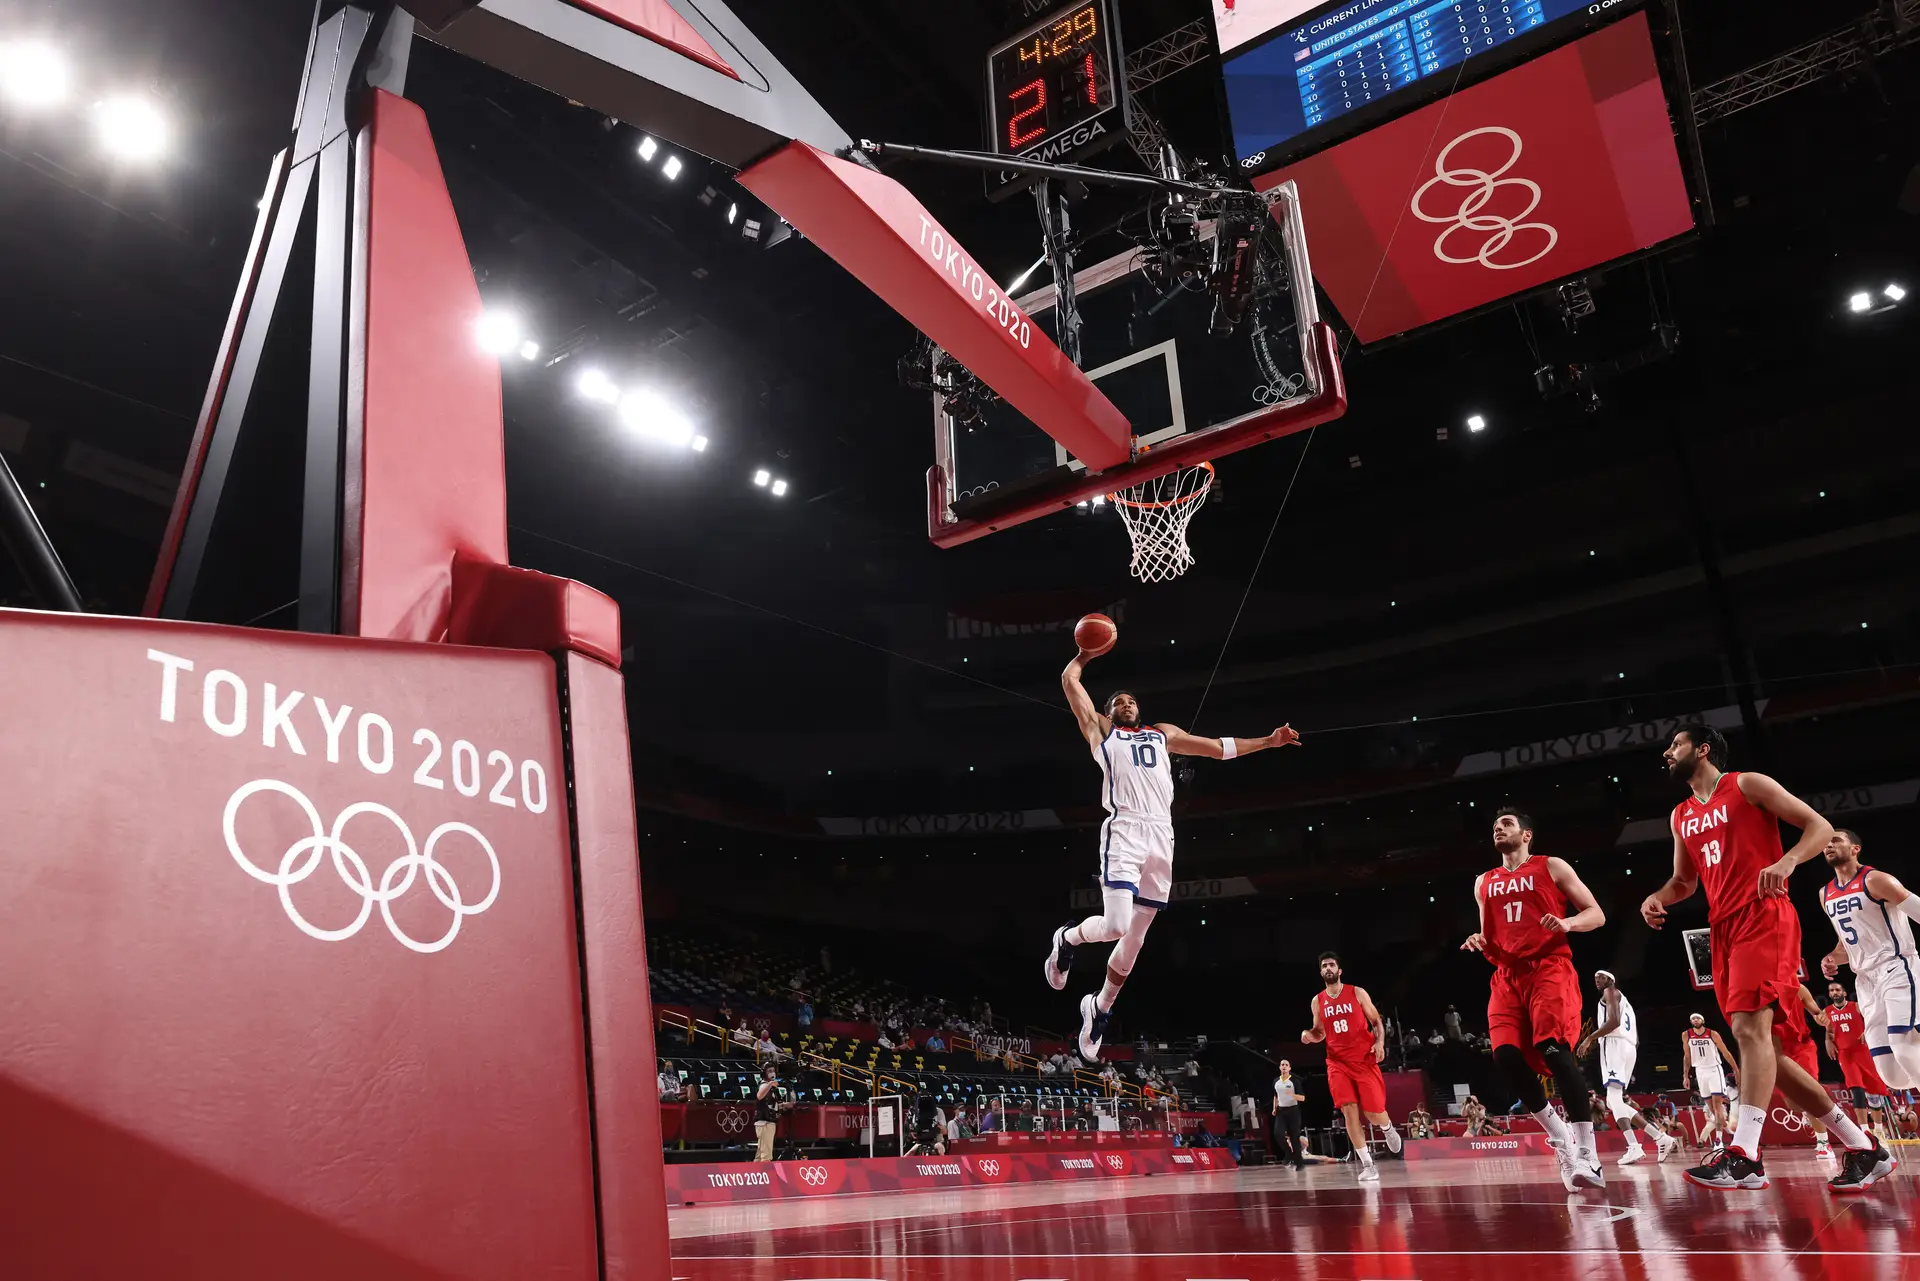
pixel 529 350
pixel 1476 423
pixel 733 211
pixel 646 414
pixel 762 478
pixel 34 74
pixel 131 127
pixel 779 488
pixel 671 168
pixel 499 332
pixel 1862 301
pixel 647 149
pixel 698 444
pixel 595 385
pixel 1895 293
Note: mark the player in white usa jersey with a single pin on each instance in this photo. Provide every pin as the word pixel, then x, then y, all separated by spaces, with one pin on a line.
pixel 1873 914
pixel 1136 841
pixel 1616 1031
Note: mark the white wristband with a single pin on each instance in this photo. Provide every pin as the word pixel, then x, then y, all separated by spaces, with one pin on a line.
pixel 1228 749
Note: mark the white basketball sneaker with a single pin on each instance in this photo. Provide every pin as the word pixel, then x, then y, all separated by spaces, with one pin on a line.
pixel 1666 1147
pixel 1633 1155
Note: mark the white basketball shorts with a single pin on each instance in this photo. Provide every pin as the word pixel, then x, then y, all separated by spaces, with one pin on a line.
pixel 1889 1006
pixel 1709 1081
pixel 1616 1061
pixel 1137 854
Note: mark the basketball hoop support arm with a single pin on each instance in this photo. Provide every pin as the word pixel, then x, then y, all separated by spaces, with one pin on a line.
pixel 1080 173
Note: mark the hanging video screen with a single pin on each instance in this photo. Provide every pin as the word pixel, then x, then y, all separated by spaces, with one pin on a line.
pixel 1306 76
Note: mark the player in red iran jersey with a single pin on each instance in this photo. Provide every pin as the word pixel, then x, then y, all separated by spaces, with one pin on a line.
pixel 1356 1039
pixel 1534 1005
pixel 1726 838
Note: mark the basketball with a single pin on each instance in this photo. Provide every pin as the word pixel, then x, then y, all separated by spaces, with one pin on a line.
pixel 1095 634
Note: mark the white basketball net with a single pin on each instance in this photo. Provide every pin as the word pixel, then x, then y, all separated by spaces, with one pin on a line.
pixel 1156 513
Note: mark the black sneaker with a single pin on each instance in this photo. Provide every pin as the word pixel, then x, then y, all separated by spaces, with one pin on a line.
pixel 1861 1170
pixel 1059 959
pixel 1729 1170
pixel 1093 1027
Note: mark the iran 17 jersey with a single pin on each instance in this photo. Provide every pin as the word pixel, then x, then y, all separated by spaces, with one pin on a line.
pixel 1874 932
pixel 1513 901
pixel 1137 779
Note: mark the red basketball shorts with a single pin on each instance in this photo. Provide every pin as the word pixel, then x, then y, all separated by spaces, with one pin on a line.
pixel 1756 959
pixel 1856 1065
pixel 1534 1001
pixel 1799 1045
pixel 1357 1083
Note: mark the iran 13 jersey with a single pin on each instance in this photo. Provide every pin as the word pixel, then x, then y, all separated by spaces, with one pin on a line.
pixel 1349 1039
pixel 1730 840
pixel 1512 903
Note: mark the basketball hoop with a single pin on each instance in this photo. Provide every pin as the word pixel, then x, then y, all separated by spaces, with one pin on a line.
pixel 1156 513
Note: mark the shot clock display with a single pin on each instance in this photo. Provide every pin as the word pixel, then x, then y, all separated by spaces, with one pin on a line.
pixel 1055 91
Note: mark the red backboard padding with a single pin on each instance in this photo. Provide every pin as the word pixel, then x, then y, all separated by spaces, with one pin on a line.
pixel 873 227
pixel 1562 164
pixel 658 22
pixel 193 1084
pixel 511 608
pixel 432 402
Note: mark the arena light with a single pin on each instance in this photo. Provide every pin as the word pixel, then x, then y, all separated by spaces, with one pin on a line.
pixel 595 385
pixel 698 444
pixel 763 478
pixel 671 168
pixel 529 350
pixel 1861 301
pixel 733 211
pixel 34 74
pixel 499 332
pixel 647 414
pixel 1895 293
pixel 779 488
pixel 132 128
pixel 1476 423
pixel 647 149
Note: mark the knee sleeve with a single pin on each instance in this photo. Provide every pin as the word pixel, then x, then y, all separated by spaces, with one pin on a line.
pixel 1906 1060
pixel 1617 1104
pixel 1575 1093
pixel 1520 1074
pixel 1113 922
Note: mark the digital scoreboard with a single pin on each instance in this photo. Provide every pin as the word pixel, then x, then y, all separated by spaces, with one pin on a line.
pixel 1306 76
pixel 1057 91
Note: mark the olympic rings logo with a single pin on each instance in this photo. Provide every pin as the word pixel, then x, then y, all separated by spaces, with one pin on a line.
pixel 1788 1121
pixel 990 1168
pixel 1482 185
pixel 814 1176
pixel 731 1120
pixel 302 859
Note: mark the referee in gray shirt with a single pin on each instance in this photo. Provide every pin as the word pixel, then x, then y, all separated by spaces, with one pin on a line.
pixel 1286 1117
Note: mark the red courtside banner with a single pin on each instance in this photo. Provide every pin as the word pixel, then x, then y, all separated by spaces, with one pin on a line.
pixel 1562 164
pixel 779 1180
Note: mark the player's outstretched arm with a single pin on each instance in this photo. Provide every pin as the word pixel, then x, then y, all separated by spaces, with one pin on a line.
pixel 1890 891
pixel 1477 941
pixel 1815 831
pixel 1093 726
pixel 1681 885
pixel 1181 743
pixel 1374 1020
pixel 1316 1033
pixel 1587 913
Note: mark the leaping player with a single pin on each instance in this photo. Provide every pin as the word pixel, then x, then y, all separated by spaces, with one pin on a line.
pixel 1136 841
pixel 1356 1037
pixel 1533 1007
pixel 1726 837
pixel 1617 1034
pixel 1873 913
pixel 1701 1052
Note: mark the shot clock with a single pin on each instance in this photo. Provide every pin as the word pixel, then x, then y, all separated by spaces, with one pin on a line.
pixel 1057 91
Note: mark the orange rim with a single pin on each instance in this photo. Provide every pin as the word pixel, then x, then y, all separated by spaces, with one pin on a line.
pixel 1171 502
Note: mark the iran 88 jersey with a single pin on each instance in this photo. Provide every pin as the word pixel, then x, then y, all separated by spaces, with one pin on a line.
pixel 1136 840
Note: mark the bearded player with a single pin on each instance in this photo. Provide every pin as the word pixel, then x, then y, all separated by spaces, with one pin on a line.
pixel 1873 914
pixel 1847 1043
pixel 1356 1037
pixel 1533 1009
pixel 1726 837
pixel 1702 1056
pixel 1136 841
